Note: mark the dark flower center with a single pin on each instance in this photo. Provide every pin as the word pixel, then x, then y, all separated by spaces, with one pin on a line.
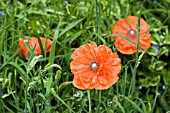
pixel 94 66
pixel 132 33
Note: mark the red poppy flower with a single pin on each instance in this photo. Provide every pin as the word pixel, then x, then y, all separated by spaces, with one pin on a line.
pixel 94 67
pixel 33 42
pixel 128 28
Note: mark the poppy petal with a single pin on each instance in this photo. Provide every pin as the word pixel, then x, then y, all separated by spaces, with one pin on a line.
pixel 94 67
pixel 33 42
pixel 124 27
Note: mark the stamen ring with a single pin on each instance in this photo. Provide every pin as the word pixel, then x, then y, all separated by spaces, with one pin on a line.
pixel 131 33
pixel 94 66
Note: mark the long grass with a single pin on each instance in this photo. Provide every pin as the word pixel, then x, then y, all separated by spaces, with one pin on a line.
pixel 44 84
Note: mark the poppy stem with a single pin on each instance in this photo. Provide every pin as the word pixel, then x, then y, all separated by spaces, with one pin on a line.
pixel 134 70
pixel 137 55
pixel 153 106
pixel 98 106
pixel 88 94
pixel 25 92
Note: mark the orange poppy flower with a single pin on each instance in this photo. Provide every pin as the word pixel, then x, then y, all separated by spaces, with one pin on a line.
pixel 128 28
pixel 33 42
pixel 94 67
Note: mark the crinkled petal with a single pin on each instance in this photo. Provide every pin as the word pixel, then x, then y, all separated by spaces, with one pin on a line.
pixel 103 84
pixel 84 80
pixel 108 62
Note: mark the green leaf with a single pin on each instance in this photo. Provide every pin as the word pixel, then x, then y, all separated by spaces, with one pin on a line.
pixel 70 26
pixel 33 62
pixel 49 66
pixel 143 105
pixel 58 98
pixel 101 38
pixel 152 51
pixel 133 103
pixel 57 77
pixel 40 44
pixel 139 59
pixel 64 85
pixel 48 87
pixel 149 81
pixel 163 51
pixel 75 36
pixel 9 93
pixel 166 75
pixel 28 106
pixel 10 111
pixel 21 16
pixel 120 106
pixel 20 70
pixel 40 13
pixel 42 96
pixel 53 48
pixel 158 66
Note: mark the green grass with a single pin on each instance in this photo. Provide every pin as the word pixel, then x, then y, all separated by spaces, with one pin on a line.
pixel 43 85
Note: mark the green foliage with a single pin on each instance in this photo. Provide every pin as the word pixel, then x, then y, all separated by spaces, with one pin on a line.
pixel 43 84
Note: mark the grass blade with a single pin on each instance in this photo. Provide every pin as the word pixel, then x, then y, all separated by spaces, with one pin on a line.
pixel 58 98
pixel 70 26
pixel 133 103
